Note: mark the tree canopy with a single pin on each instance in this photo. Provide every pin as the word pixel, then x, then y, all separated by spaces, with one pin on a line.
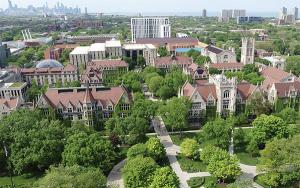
pixel 72 176
pixel 280 162
pixel 89 151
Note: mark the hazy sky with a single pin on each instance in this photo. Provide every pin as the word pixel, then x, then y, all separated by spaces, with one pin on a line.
pixel 164 5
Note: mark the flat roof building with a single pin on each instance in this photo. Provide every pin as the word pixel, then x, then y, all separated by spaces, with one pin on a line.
pixel 150 27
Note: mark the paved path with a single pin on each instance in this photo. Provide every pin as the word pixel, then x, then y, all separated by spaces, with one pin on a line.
pixel 114 179
pixel 171 152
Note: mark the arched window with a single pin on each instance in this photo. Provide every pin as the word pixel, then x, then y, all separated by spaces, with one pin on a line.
pixel 226 94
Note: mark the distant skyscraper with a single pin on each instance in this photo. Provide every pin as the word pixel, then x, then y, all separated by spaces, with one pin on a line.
pixel 150 27
pixel 204 13
pixel 225 15
pixel 283 13
pixel 296 13
pixel 85 11
pixel 10 6
pixel 238 13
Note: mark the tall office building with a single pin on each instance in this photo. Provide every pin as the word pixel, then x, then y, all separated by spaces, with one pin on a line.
pixel 247 52
pixel 10 6
pixel 283 13
pixel 204 13
pixel 150 27
pixel 238 13
pixel 296 13
pixel 225 15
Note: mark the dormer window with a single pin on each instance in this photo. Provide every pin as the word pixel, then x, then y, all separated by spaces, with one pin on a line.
pixel 70 110
pixel 110 108
pixel 79 109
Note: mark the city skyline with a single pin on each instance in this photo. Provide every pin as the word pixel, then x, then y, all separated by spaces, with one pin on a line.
pixel 133 6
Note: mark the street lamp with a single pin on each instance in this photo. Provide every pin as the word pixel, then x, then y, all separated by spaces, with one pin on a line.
pixel 10 172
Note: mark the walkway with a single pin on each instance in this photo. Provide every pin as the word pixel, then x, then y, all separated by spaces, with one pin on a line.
pixel 114 179
pixel 171 152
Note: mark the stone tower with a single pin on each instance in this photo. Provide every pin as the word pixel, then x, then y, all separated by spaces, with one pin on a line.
pixel 226 93
pixel 247 52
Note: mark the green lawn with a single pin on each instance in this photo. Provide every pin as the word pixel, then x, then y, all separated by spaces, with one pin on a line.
pixel 191 166
pixel 177 140
pixel 246 158
pixel 19 181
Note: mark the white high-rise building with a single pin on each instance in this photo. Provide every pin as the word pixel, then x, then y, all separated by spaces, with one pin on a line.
pixel 283 13
pixel 238 13
pixel 150 27
pixel 226 14
pixel 247 52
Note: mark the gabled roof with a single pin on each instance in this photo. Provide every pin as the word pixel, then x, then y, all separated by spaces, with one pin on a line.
pixel 245 89
pixel 274 74
pixel 54 96
pixel 284 88
pixel 175 60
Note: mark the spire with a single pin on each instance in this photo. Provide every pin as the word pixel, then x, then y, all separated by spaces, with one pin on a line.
pixel 88 97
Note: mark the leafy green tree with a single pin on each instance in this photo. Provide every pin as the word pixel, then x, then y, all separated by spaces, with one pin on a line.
pixel 165 92
pixel 138 172
pixel 73 176
pixel 280 46
pixel 258 105
pixel 214 71
pixel 141 61
pixel 89 150
pixel 224 166
pixel 239 139
pixel 65 55
pixel 134 126
pixel 137 150
pixel 280 162
pixel 268 127
pixel 293 64
pixel 164 178
pixel 207 153
pixel 217 133
pixel 39 148
pixel 162 51
pixel 132 80
pixel 155 83
pixel 175 113
pixel 289 115
pixel 144 108
pixel 155 149
pixel 190 148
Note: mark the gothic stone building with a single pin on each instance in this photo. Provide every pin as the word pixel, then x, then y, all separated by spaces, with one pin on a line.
pixel 219 93
pixel 87 104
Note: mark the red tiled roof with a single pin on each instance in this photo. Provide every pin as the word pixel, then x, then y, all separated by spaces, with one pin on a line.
pixel 274 73
pixel 78 95
pixel 163 41
pixel 206 90
pixel 68 68
pixel 284 88
pixel 227 65
pixel 107 63
pixel 245 89
pixel 11 103
pixel 177 60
